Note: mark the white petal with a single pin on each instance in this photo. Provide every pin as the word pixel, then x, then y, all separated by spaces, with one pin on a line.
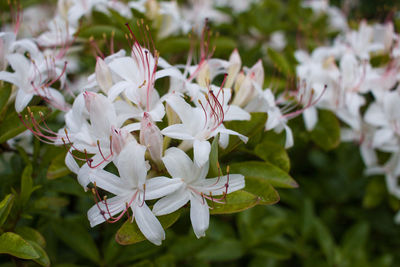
pixel 104 180
pixel 178 164
pixel 161 186
pixel 118 88
pixel 199 215
pixel 71 163
pixel 20 64
pixel 131 164
pixel 216 186
pixel 22 99
pixel 171 202
pixel 9 77
pixel 177 131
pixel 310 116
pixel 99 212
pixel 289 137
pixel 148 224
pixel 230 132
pixel 236 113
pixel 201 152
pixel 126 68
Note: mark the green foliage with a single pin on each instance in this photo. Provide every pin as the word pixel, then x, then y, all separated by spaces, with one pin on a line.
pixel 326 133
pixel 15 245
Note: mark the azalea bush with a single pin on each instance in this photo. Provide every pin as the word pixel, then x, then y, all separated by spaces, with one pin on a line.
pixel 152 133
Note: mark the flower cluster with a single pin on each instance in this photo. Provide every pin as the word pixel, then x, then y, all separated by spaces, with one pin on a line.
pixel 359 73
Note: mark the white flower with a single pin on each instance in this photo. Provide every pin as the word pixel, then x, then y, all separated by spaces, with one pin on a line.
pixel 199 124
pixel 131 189
pixel 194 187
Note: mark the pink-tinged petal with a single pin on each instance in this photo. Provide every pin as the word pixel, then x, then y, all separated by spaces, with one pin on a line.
pixel 199 215
pixel 236 113
pixel 161 186
pixel 22 99
pixel 100 212
pixel 177 131
pixel 148 224
pixel 171 202
pixel 201 152
pixel 178 164
pixel 217 186
pixel 131 165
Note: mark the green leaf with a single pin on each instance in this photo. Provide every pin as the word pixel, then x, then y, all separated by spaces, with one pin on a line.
pixel 374 193
pixel 247 128
pixel 280 62
pixel 5 92
pixel 57 167
pixel 11 126
pixel 97 31
pixel 221 250
pixel 129 233
pixel 214 165
pixel 325 240
pixel 273 249
pixel 77 238
pixel 264 170
pixel 273 153
pixel 15 245
pixel 43 258
pixel 261 188
pixel 29 233
pixel 355 238
pixel 237 201
pixel 174 45
pixel 5 208
pixel 26 185
pixel 326 133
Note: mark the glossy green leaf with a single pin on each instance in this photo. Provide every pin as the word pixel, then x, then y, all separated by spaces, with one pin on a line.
pixel 29 233
pixel 129 233
pixel 43 258
pixel 5 208
pixel 264 170
pixel 11 126
pixel 247 128
pixel 15 245
pixel 213 171
pixel 326 133
pixel 263 189
pixel 234 202
pixel 77 238
pixel 57 167
pixel 221 250
pixel 273 153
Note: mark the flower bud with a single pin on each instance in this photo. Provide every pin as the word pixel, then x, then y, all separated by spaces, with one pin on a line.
pixel 103 75
pixel 234 67
pixel 150 136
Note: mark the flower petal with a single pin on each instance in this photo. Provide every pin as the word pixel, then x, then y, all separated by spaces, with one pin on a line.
pixel 161 186
pixel 178 164
pixel 201 152
pixel 199 215
pixel 172 202
pixel 148 224
pixel 100 212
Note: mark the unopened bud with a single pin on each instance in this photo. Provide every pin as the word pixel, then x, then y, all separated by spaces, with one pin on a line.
pixel 150 136
pixel 103 75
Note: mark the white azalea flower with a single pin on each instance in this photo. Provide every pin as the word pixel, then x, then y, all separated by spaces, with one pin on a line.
pixel 194 187
pixel 131 189
pixel 198 125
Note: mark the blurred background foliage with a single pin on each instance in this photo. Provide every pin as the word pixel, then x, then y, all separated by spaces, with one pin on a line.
pixel 337 216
